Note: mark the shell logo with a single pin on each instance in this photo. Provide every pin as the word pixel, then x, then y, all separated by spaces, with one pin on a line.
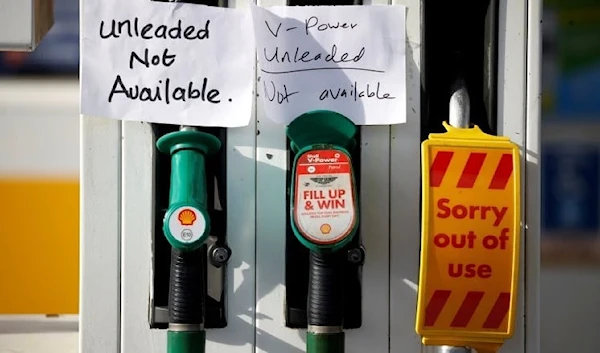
pixel 325 228
pixel 187 217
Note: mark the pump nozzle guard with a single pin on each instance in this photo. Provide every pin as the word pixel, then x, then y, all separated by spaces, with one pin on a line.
pixel 324 201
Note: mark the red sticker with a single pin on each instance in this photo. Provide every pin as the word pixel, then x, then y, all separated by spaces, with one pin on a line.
pixel 324 199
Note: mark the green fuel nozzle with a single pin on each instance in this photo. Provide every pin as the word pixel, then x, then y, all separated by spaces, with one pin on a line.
pixel 186 226
pixel 325 216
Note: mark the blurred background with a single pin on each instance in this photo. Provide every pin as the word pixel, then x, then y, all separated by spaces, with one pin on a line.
pixel 39 185
pixel 39 191
pixel 570 282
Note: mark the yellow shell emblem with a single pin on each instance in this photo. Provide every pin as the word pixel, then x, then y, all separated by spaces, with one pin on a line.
pixel 187 217
pixel 325 228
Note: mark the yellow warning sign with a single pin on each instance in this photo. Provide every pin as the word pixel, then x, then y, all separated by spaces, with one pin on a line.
pixel 470 239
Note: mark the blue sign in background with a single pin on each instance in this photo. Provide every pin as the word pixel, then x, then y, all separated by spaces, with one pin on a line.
pixel 570 188
pixel 59 50
pixel 578 94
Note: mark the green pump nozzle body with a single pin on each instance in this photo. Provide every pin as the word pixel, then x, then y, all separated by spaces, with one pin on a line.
pixel 325 216
pixel 186 226
pixel 186 223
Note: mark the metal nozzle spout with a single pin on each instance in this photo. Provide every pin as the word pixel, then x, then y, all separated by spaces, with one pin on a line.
pixel 451 349
pixel 459 116
pixel 460 105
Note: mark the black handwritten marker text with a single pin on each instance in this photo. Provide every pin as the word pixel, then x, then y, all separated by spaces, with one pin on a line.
pixel 305 56
pixel 163 91
pixel 354 93
pixel 313 22
pixel 272 93
pixel 133 29
pixel 333 58
pixel 146 59
pixel 270 30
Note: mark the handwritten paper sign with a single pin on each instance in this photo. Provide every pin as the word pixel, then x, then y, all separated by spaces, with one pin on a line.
pixel 349 59
pixel 171 63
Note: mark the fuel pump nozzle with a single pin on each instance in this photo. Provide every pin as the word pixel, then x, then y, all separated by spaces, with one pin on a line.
pixel 458 116
pixel 324 211
pixel 186 226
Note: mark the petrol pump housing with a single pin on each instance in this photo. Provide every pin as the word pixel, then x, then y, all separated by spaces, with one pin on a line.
pixel 122 278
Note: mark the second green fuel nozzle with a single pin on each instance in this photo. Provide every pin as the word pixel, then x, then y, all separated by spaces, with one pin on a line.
pixel 325 216
pixel 186 226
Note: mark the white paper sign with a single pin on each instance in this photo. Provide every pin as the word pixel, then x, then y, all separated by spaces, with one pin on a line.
pixel 171 63
pixel 349 59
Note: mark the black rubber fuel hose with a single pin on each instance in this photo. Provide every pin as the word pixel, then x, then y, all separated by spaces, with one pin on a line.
pixel 325 304
pixel 186 292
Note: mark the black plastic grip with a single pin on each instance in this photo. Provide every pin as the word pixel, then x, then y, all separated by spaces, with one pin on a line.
pixel 325 279
pixel 186 287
